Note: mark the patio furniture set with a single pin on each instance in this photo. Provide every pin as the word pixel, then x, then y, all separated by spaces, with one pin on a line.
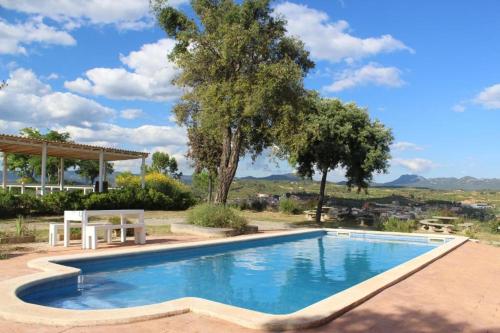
pixel 442 224
pixel 80 219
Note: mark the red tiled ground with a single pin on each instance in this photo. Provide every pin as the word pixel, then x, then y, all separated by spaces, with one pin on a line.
pixel 458 293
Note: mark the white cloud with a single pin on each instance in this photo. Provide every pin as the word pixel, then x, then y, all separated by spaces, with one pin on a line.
pixel 460 107
pixel 14 37
pixel 415 164
pixel 28 100
pixel 404 146
pixel 150 77
pixel 124 14
pixel 368 74
pixel 329 40
pixel 145 135
pixel 131 113
pixel 147 138
pixel 489 98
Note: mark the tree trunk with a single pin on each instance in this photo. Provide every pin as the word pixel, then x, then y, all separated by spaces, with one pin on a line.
pixel 228 164
pixel 210 188
pixel 321 195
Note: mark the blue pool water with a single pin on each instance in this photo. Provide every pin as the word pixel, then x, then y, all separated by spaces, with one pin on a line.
pixel 280 275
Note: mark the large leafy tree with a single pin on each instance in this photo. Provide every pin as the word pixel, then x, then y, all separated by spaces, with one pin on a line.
pixel 242 76
pixel 341 135
pixel 30 166
pixel 163 163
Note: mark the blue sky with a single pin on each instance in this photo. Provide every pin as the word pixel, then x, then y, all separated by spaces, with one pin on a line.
pixel 427 69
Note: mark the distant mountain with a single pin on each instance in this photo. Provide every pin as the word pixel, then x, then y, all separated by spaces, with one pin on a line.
pixel 284 177
pixel 405 180
pixel 445 183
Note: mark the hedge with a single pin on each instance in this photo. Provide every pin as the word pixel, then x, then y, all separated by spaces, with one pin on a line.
pixel 56 203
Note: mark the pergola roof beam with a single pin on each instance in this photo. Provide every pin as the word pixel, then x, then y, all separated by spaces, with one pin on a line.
pixel 69 150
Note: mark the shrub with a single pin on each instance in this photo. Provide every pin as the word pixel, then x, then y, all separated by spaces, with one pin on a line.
pixel 179 194
pixel 290 206
pixel 396 225
pixel 494 225
pixel 126 198
pixel 253 204
pixel 216 216
pixel 127 179
pixel 57 202
pixel 472 231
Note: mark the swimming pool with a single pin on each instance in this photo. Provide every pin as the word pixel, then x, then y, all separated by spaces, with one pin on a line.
pixel 277 276
pixel 272 281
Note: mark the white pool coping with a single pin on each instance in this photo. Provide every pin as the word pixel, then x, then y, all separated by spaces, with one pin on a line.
pixel 13 308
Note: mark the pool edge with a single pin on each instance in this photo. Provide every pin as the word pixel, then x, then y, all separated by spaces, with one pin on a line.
pixel 13 308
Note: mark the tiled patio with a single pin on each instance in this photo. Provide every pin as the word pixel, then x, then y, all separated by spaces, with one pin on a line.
pixel 458 293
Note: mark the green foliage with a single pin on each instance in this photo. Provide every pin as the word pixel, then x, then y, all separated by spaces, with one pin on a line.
pixel 216 216
pixel 127 198
pixel 127 179
pixel 494 226
pixel 61 201
pixel 336 134
pixel 472 231
pixel 255 205
pixel 243 73
pixel 396 225
pixel 290 206
pixel 165 164
pixel 90 169
pixel 171 188
pixel 200 184
pixel 160 183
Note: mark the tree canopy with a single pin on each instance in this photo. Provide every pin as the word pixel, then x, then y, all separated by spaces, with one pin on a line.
pixel 336 135
pixel 242 76
pixel 163 163
pixel 89 169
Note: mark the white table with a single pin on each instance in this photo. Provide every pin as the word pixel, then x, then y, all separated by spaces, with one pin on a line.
pixel 82 216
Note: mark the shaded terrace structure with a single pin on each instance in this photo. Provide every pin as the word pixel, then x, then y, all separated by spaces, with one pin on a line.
pixel 12 144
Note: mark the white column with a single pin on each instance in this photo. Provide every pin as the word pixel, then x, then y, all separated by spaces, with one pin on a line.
pixel 101 169
pixel 143 171
pixel 61 175
pixel 43 175
pixel 4 174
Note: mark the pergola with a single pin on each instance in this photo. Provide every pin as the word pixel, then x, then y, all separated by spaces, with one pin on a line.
pixel 12 144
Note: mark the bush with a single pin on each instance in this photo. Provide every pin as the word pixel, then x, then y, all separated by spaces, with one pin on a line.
pixel 56 203
pixel 255 205
pixel 127 179
pixel 494 225
pixel 396 225
pixel 179 194
pixel 472 231
pixel 216 216
pixel 290 206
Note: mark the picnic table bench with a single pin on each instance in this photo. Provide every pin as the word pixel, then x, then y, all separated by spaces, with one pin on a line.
pixel 433 225
pixel 311 214
pixel 89 231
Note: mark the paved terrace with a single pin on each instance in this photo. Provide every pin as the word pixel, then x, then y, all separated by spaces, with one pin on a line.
pixel 458 293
